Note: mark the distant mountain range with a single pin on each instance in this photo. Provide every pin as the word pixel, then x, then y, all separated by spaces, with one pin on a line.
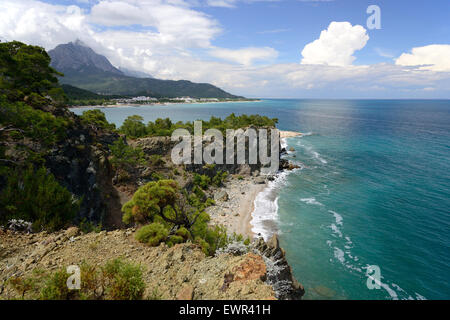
pixel 86 69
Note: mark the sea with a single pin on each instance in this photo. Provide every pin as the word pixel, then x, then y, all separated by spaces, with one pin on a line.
pixel 367 213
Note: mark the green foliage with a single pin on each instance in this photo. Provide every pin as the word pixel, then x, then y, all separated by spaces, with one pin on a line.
pixel 116 280
pixel 124 280
pixel 133 127
pixel 35 195
pixel 153 234
pixel 55 287
pixel 80 97
pixel 202 180
pixel 170 219
pixel 125 156
pixel 219 178
pixel 87 226
pixel 96 118
pixel 32 123
pixel 154 198
pixel 25 70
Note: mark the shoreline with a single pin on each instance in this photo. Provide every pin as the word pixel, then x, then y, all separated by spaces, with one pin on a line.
pixel 118 105
pixel 236 211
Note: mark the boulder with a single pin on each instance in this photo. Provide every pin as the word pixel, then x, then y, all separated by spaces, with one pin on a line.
pixel 260 180
pixel 72 232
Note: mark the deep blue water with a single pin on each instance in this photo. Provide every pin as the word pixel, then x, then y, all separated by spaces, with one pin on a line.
pixel 374 189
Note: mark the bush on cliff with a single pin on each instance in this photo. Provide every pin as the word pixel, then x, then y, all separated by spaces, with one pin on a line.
pixel 124 156
pixel 97 119
pixel 26 75
pixel 171 217
pixel 34 195
pixel 153 234
pixel 116 280
pixel 134 126
pixel 124 281
pixel 23 120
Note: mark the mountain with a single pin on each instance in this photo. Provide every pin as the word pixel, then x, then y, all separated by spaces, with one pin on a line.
pixel 76 57
pixel 134 73
pixel 74 93
pixel 85 69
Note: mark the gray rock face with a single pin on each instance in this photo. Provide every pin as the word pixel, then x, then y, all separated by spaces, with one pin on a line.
pixel 155 145
pixel 83 168
pixel 279 273
pixel 76 56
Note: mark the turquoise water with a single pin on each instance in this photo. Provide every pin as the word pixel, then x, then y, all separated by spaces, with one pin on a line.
pixel 373 189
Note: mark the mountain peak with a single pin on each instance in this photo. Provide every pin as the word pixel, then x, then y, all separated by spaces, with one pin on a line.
pixel 78 42
pixel 78 57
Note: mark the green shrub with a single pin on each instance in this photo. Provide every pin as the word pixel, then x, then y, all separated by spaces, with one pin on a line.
pixel 124 280
pixel 35 196
pixel 219 178
pixel 55 287
pixel 124 156
pixel 33 123
pixel 133 127
pixel 202 181
pixel 153 234
pixel 150 200
pixel 116 280
pixel 87 226
pixel 96 118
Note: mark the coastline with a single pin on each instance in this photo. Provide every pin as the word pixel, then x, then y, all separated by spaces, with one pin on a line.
pixel 236 209
pixel 118 105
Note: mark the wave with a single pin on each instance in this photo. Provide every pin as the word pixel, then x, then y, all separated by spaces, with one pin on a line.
pixel 337 216
pixel 351 262
pixel 265 212
pixel 317 156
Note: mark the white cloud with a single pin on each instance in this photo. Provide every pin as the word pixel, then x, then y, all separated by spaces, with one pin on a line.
pixel 174 38
pixel 336 45
pixel 221 3
pixel 434 57
pixel 40 23
pixel 244 56
pixel 174 22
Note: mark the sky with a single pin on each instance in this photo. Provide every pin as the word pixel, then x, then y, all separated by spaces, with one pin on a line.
pixel 257 48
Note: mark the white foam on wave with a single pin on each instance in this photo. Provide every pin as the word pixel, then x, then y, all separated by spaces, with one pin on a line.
pixel 314 153
pixel 337 216
pixel 311 201
pixel 265 212
pixel 336 230
pixel 283 143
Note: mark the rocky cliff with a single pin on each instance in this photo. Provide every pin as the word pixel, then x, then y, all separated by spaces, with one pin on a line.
pixel 181 272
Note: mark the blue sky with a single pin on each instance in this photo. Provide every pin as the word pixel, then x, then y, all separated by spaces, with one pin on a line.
pixel 405 24
pixel 261 48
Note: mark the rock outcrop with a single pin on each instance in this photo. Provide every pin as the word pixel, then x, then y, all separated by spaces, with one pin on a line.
pixel 180 272
pixel 279 273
